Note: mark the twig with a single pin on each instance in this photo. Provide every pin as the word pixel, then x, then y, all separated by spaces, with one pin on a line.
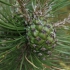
pixel 23 9
pixel 31 63
pixel 63 22
pixel 56 68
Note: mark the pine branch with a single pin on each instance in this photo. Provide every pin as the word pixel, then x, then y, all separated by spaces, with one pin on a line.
pixel 61 23
pixel 23 9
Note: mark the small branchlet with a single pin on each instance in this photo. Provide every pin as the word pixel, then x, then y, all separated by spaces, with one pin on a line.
pixel 23 9
pixel 61 23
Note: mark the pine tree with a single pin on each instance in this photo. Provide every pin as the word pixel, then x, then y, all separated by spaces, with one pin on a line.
pixel 32 37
